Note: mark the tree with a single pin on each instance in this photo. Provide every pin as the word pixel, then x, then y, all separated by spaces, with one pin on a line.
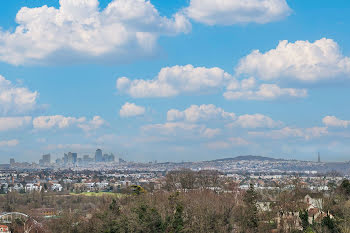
pixel 330 224
pixel 345 187
pixel 178 222
pixel 149 219
pixel 251 213
pixel 137 189
pixel 304 217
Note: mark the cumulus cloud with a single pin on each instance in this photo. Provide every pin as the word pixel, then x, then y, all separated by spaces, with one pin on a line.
pixel 333 121
pixel 14 99
pixel 172 81
pixel 131 110
pixel 210 133
pixel 255 121
pixel 9 143
pixel 8 123
pixel 62 122
pixel 180 128
pixel 197 113
pixel 292 132
pixel 302 61
pixel 266 92
pixel 58 121
pixel 79 30
pixel 176 80
pixel 95 123
pixel 210 112
pixel 229 12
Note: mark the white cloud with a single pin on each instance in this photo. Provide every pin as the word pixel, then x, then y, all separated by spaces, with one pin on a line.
pixel 210 133
pixel 266 92
pixel 62 122
pixel 197 113
pixel 10 143
pixel 302 61
pixel 79 30
pixel 210 112
pixel 170 127
pixel 131 109
pixel 172 81
pixel 180 128
pixel 95 123
pixel 8 123
pixel 290 132
pixel 176 80
pixel 335 122
pixel 15 99
pixel 255 121
pixel 229 12
pixel 248 83
pixel 58 121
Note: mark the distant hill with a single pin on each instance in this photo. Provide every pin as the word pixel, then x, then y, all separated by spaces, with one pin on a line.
pixel 247 157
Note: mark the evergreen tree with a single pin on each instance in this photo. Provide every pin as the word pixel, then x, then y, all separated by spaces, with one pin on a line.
pixel 250 201
pixel 304 216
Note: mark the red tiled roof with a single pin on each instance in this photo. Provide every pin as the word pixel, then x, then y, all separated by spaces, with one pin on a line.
pixel 313 211
pixel 4 227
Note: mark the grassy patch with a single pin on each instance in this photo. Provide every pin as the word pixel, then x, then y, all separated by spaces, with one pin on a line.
pixel 99 194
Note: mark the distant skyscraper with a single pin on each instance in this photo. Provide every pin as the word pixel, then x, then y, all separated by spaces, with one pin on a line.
pixel 74 158
pixel 46 159
pixel 98 156
pixel 12 162
pixel 70 157
pixel 65 159
pixel 319 157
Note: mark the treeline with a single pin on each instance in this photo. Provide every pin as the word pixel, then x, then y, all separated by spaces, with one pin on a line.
pixel 195 207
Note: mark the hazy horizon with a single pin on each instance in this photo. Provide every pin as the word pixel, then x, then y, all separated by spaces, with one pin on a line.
pixel 174 80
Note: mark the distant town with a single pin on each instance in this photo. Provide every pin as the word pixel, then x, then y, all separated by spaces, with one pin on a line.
pixel 249 164
pixel 81 172
pixel 83 182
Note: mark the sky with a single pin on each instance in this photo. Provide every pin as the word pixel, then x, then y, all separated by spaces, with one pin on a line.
pixel 183 80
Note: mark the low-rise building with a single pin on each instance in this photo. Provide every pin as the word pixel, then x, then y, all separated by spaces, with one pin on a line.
pixel 4 229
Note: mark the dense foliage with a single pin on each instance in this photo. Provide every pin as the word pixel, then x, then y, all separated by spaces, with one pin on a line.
pixel 193 207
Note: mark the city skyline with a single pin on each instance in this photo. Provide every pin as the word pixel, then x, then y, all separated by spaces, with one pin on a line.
pixel 193 82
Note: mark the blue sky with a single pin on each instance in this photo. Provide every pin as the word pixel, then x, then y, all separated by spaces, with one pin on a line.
pixel 175 80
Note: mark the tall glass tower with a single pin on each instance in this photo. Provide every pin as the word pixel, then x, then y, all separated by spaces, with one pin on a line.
pixel 98 156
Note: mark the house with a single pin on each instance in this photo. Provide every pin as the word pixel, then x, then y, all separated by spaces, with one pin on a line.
pixel 33 187
pixel 56 187
pixel 315 202
pixel 18 187
pixel 314 209
pixel 4 229
pixel 263 206
pixel 101 185
pixel 90 186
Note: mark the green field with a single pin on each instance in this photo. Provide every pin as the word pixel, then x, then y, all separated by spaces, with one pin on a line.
pixel 99 194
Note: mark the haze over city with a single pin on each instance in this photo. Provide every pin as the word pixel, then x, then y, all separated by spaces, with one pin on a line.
pixel 174 80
